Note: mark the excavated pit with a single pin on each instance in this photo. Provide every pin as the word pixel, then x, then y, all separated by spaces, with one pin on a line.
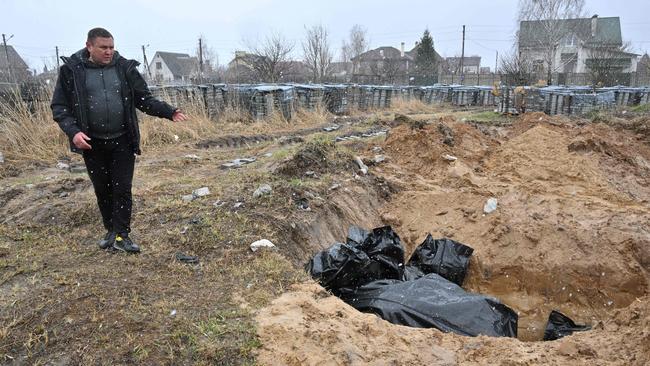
pixel 571 231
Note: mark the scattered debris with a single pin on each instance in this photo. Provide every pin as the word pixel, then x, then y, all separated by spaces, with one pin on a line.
pixel 218 203
pixel 358 135
pixel 286 140
pixel 303 204
pixel 172 313
pixel 238 204
pixel 192 157
pixel 77 168
pixel 331 128
pixel 334 187
pixel 311 174
pixel 378 159
pixel 189 259
pixel 263 243
pixel 2 158
pixel 362 167
pixel 490 205
pixel 201 192
pixel 268 155
pixel 184 230
pixel 63 166
pixel 263 190
pixel 176 137
pixel 449 157
pixel 237 163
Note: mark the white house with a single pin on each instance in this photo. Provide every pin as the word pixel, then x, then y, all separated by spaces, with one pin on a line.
pixel 173 68
pixel 581 42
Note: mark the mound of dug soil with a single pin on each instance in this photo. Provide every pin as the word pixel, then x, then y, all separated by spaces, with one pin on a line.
pixel 571 233
pixel 317 156
pixel 307 326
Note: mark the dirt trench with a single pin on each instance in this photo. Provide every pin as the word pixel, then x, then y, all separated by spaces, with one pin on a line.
pixel 571 233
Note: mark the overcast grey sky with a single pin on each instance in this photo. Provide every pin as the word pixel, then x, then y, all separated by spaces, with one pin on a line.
pixel 175 26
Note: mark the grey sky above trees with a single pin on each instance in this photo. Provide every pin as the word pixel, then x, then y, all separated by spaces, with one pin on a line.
pixel 164 25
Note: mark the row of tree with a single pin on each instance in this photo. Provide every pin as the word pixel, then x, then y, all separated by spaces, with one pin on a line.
pixel 270 59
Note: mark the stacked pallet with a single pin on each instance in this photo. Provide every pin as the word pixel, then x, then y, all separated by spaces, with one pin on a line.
pixel 335 98
pixel 308 97
pixel 264 100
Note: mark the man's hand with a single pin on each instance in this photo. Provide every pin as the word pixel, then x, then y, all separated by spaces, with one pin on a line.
pixel 179 116
pixel 79 140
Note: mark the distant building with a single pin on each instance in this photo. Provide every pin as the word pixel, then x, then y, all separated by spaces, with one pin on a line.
pixel 15 70
pixel 643 66
pixel 385 65
pixel 583 43
pixel 341 71
pixel 241 68
pixel 471 65
pixel 174 68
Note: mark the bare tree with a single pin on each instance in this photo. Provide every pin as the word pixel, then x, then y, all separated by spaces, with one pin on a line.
pixel 390 69
pixel 606 64
pixel 270 58
pixel 345 52
pixel 317 52
pixel 550 16
pixel 357 44
pixel 516 69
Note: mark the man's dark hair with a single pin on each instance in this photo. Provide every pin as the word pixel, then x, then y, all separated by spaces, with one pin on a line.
pixel 98 32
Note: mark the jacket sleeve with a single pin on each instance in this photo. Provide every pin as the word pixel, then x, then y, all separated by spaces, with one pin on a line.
pixel 144 101
pixel 63 108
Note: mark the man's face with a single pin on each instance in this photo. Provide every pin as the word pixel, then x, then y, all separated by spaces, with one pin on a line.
pixel 101 50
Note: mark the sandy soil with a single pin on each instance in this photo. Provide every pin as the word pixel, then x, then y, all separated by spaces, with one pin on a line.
pixel 571 233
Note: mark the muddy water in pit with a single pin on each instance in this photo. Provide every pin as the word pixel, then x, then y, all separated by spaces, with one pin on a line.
pixel 572 227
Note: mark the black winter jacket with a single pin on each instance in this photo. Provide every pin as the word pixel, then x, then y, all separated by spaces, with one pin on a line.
pixel 69 102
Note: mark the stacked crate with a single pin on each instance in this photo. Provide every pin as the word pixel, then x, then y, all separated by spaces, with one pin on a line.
pixel 335 98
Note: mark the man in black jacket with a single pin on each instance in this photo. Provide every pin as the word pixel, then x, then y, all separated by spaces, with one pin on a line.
pixel 94 103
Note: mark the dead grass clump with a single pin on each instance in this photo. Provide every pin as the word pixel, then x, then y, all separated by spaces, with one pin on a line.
pixel 399 105
pixel 27 132
pixel 319 156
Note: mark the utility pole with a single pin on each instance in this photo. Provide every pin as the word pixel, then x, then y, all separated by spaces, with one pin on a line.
pixel 462 59
pixel 57 56
pixel 4 41
pixel 496 63
pixel 146 63
pixel 200 60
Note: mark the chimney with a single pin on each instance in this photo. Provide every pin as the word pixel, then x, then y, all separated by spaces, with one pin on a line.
pixel 402 50
pixel 594 25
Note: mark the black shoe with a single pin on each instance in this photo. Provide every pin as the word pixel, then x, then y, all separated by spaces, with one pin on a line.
pixel 107 241
pixel 125 244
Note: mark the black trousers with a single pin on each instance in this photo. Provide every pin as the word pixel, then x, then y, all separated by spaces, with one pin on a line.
pixel 110 166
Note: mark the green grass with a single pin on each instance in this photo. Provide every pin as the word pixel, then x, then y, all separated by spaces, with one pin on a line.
pixel 643 108
pixel 488 117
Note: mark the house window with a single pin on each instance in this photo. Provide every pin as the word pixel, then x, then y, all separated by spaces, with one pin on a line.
pixel 158 65
pixel 571 40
